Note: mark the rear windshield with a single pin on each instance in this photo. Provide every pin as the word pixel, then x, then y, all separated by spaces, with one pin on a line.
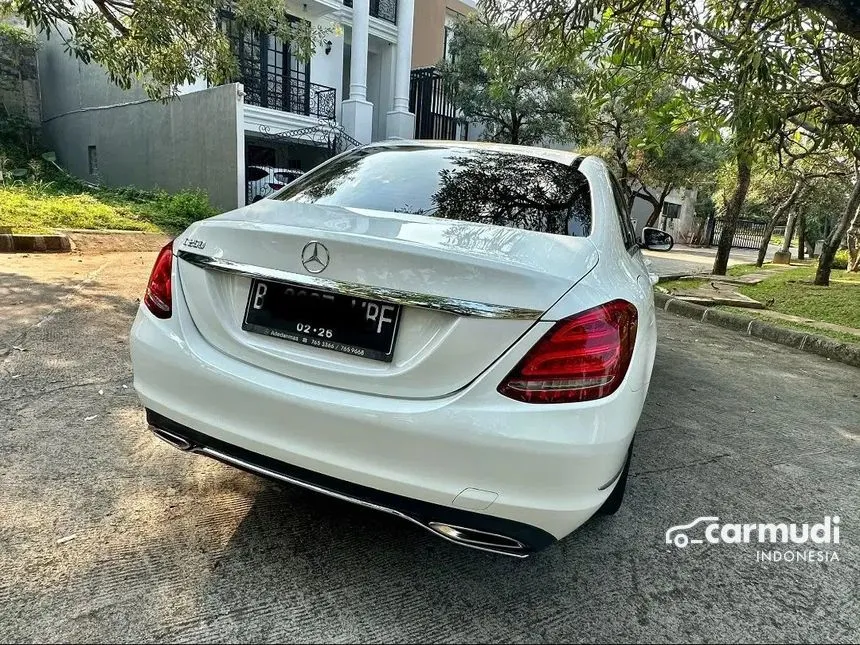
pixel 286 177
pixel 473 185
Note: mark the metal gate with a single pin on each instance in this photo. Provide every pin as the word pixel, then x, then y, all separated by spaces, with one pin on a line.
pixel 749 234
pixel 435 114
pixel 266 174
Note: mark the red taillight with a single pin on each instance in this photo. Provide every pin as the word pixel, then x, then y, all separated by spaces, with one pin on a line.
pixel 581 358
pixel 275 186
pixel 158 294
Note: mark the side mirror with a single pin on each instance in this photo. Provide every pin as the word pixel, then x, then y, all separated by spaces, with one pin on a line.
pixel 656 240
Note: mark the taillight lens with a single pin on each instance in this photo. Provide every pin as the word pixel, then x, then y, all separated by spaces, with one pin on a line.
pixel 582 358
pixel 158 298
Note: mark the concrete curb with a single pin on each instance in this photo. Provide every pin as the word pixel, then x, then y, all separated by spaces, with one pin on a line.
pixel 848 353
pixel 10 243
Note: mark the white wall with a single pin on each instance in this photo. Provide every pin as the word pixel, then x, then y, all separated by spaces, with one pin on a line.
pixel 327 69
pixel 374 87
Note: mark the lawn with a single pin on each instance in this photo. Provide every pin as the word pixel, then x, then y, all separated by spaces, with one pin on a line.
pixel 793 293
pixel 43 206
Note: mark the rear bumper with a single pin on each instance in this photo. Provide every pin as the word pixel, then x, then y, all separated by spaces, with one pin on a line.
pixel 543 470
pixel 479 531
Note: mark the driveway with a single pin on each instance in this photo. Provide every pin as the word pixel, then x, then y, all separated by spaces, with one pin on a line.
pixel 108 534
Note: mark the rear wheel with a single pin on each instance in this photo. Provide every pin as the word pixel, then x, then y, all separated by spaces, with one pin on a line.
pixel 613 502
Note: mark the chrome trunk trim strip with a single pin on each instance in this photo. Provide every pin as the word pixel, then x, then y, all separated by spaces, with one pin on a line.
pixel 395 296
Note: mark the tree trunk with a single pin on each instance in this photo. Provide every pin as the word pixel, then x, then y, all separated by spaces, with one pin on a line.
pixel 789 232
pixel 733 211
pixel 854 243
pixel 801 236
pixel 655 214
pixel 516 121
pixel 832 242
pixel 777 217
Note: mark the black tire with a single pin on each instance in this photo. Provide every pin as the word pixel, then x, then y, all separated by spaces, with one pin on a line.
pixel 613 502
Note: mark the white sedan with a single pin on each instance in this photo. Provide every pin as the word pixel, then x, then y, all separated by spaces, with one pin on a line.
pixel 459 334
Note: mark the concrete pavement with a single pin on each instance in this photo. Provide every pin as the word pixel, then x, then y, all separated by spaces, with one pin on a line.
pixel 691 259
pixel 171 547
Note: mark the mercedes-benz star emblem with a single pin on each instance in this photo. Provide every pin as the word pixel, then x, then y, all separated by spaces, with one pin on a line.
pixel 315 257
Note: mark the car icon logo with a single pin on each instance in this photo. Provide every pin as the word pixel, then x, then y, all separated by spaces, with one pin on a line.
pixel 315 257
pixel 676 534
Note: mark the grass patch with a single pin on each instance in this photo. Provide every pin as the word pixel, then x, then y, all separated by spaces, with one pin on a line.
pixel 793 293
pixel 744 269
pixel 677 285
pixel 43 206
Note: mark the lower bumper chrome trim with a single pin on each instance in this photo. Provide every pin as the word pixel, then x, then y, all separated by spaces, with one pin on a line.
pixel 265 472
pixel 465 528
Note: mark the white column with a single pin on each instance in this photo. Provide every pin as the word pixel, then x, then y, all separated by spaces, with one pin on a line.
pixel 401 122
pixel 357 111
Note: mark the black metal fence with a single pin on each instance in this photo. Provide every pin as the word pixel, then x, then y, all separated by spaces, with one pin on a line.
pixel 749 234
pixel 435 114
pixel 274 159
pixel 382 9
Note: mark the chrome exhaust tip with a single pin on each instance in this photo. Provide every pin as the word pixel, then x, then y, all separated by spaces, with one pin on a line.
pixel 174 440
pixel 480 539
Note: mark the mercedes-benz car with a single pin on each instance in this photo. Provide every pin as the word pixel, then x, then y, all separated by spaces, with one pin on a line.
pixel 459 334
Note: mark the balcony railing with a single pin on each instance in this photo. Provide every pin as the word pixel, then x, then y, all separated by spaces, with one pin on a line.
pixel 292 95
pixel 382 9
pixel 273 77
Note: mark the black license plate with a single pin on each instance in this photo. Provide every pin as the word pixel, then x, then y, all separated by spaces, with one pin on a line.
pixel 356 326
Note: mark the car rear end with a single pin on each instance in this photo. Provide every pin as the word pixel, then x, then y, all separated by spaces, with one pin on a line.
pixel 426 370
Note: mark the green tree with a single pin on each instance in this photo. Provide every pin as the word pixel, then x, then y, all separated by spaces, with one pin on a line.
pixel 825 111
pixel 683 161
pixel 498 77
pixel 730 58
pixel 564 17
pixel 161 45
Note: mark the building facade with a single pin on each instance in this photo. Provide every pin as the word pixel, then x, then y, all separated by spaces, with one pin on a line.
pixel 436 19
pixel 436 117
pixel 238 141
pixel 677 217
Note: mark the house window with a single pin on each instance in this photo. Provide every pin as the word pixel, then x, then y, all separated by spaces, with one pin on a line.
pixel 671 211
pixel 450 20
pixel 93 160
pixel 272 76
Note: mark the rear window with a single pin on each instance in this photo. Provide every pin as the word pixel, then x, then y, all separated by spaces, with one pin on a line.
pixel 473 185
pixel 287 177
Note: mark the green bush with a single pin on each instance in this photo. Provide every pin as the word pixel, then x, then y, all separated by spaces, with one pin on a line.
pixel 841 259
pixel 177 211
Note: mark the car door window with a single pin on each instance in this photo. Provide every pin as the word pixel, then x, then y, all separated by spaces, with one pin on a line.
pixel 627 231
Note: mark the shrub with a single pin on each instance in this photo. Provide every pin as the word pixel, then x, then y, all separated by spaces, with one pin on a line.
pixel 841 259
pixel 177 211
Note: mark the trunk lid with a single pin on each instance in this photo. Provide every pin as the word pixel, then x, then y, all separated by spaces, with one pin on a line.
pixel 436 352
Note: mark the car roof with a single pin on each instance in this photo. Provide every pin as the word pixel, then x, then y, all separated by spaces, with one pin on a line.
pixel 560 156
